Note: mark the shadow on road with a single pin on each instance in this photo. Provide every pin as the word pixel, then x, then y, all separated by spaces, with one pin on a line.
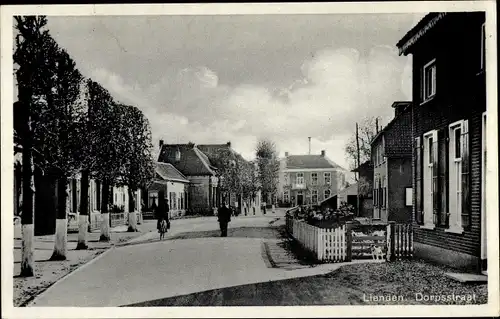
pixel 241 232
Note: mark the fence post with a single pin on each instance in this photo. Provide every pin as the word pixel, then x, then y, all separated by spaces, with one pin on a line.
pixel 348 236
pixel 390 241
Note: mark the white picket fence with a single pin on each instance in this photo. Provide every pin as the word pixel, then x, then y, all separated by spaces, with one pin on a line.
pixel 344 243
pixel 327 245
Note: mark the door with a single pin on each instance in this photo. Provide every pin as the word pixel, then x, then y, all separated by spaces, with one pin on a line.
pixel 300 199
pixel 484 240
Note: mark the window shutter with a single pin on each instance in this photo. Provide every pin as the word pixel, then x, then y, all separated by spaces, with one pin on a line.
pixel 465 176
pixel 443 142
pixel 435 179
pixel 418 181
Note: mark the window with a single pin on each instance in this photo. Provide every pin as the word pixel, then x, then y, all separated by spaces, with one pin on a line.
pixel 153 199
pixel 285 177
pixel 409 196
pixel 327 193
pixel 429 80
pixel 286 197
pixel 430 157
pixel 456 133
pixel 300 178
pixel 314 178
pixel 483 46
pixel 328 179
pixel 314 198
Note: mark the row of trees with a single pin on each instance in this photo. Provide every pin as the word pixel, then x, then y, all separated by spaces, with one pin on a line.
pixel 69 125
pixel 268 168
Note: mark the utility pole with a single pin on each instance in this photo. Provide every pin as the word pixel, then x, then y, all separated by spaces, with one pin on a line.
pixel 358 161
pixel 376 124
pixel 309 145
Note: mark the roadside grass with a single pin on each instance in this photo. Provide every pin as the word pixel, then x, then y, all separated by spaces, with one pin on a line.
pixel 357 284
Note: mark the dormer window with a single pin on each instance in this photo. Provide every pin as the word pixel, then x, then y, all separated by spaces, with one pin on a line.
pixel 429 80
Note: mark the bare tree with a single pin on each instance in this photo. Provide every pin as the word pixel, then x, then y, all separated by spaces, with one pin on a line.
pixel 367 131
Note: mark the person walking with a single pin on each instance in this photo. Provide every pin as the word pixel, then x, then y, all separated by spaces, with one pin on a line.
pixel 161 211
pixel 224 217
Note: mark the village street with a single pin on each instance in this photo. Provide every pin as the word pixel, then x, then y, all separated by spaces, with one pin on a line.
pixel 147 269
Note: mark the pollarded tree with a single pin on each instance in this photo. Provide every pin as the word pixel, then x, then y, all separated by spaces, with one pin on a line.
pixel 97 100
pixel 111 155
pixel 268 167
pixel 139 166
pixel 62 97
pixel 28 56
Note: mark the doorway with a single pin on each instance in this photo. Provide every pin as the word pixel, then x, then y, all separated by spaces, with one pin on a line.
pixel 300 199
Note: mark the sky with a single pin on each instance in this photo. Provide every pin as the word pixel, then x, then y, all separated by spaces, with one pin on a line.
pixel 238 78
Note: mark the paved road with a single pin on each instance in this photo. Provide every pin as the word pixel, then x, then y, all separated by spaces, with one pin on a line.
pixel 154 270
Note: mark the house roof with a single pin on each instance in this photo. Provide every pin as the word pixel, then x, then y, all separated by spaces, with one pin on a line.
pixel 422 27
pixel 192 161
pixel 403 146
pixel 168 172
pixel 363 166
pixel 212 149
pixel 310 161
pixel 345 190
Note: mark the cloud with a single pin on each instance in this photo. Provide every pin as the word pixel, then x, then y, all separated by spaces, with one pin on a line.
pixel 337 88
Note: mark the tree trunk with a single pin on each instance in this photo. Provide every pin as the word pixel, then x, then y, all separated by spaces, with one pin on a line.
pixel 104 213
pixel 61 240
pixel 132 218
pixel 84 211
pixel 28 208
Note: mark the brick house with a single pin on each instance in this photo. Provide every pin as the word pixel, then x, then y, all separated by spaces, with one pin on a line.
pixel 196 167
pixel 448 123
pixel 391 151
pixel 175 186
pixel 309 179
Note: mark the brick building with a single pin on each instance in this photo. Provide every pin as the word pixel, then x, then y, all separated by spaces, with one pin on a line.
pixel 309 179
pixel 448 123
pixel 392 172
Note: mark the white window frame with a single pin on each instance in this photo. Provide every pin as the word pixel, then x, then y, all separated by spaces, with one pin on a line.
pixel 455 179
pixel 300 178
pixel 425 96
pixel 314 181
pixel 285 178
pixel 314 193
pixel 329 174
pixel 483 46
pixel 427 182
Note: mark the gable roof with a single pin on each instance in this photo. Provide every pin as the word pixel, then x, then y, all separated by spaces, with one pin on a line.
pixel 192 161
pixel 310 161
pixel 212 149
pixel 168 172
pixel 398 131
pixel 418 31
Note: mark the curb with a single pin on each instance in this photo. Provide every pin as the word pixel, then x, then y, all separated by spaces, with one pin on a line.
pixel 267 256
pixel 30 302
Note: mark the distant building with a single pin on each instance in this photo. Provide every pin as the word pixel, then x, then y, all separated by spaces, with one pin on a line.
pixel 347 195
pixel 175 187
pixel 309 179
pixel 449 137
pixel 391 157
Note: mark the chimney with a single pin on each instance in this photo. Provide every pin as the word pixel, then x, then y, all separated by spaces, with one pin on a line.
pixel 399 107
pixel 161 144
pixel 323 153
pixel 228 144
pixel 178 155
pixel 309 145
pixel 286 154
